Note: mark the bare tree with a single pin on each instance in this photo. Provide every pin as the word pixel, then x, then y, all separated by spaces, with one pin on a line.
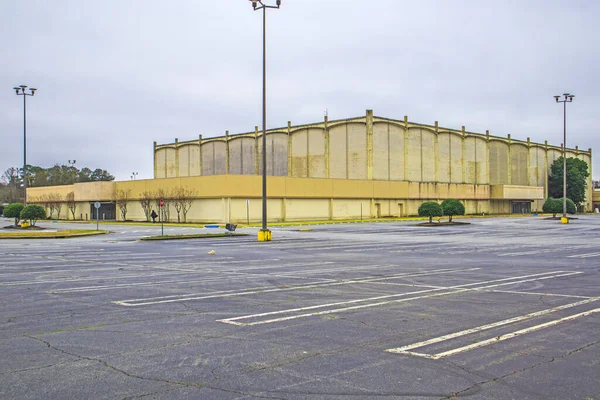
pixel 122 198
pixel 54 203
pixel 167 197
pixel 71 205
pixel 146 202
pixel 188 197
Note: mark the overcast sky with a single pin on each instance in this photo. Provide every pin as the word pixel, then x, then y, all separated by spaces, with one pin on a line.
pixel 115 75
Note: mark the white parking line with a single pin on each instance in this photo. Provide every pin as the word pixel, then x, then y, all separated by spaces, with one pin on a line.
pixel 406 349
pixel 230 293
pixel 584 255
pixel 449 291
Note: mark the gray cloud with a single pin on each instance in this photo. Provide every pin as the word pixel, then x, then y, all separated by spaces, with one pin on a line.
pixel 114 76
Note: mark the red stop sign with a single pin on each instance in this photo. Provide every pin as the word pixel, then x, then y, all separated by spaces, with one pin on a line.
pixel 162 202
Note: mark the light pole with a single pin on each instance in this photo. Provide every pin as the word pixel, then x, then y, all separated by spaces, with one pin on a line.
pixel 135 174
pixel 264 235
pixel 567 98
pixel 22 92
pixel 72 168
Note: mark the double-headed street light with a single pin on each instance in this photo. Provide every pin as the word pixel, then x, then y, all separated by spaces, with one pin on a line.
pixel 134 175
pixel 264 235
pixel 567 98
pixel 21 91
pixel 72 168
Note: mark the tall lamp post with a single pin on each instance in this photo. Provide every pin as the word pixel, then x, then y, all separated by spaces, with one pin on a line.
pixel 135 174
pixel 567 98
pixel 72 167
pixel 264 235
pixel 21 91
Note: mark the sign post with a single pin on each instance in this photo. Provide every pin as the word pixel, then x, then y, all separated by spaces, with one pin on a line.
pixel 162 222
pixel 97 205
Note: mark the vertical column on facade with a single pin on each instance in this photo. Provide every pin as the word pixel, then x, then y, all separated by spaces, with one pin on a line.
pixel 389 153
pixel 347 158
pixel 369 120
pixel 462 156
pixel 283 209
pixel 330 206
pixel 200 153
pixel 227 152
pixel 547 171
pixel 155 160
pixel 256 152
pixel 325 123
pixel 177 157
pixel 436 151
pixel 509 161
pixel 406 148
pixel 289 147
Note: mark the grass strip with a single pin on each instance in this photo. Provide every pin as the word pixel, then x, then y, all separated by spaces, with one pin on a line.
pixel 51 235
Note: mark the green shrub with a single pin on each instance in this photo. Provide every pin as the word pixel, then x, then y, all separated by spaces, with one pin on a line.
pixel 430 209
pixel 452 207
pixel 571 208
pixel 552 206
pixel 13 211
pixel 33 212
pixel 555 206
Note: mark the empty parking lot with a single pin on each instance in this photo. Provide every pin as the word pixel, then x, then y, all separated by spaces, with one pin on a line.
pixel 500 308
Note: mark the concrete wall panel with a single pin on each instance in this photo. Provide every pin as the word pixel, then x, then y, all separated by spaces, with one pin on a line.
pixel 498 161
pixel 171 158
pixel 194 160
pixel 428 156
pixel 337 152
pixel 316 153
pixel 518 164
pixel 396 153
pixel 456 159
pixel 184 160
pixel 357 151
pixel 481 149
pixel 470 160
pixel 159 163
pixel 208 158
pixel 381 151
pixel 414 155
pixel 299 153
pixel 443 157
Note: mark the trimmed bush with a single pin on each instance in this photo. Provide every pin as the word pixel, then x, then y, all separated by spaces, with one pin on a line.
pixel 33 212
pixel 13 211
pixel 555 206
pixel 430 209
pixel 571 208
pixel 452 207
pixel 552 206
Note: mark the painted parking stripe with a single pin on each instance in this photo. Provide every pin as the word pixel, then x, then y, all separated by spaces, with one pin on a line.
pixel 407 349
pixel 200 296
pixel 448 291
pixel 584 255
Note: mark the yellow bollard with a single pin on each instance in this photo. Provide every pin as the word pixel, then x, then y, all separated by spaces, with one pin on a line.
pixel 564 220
pixel 264 235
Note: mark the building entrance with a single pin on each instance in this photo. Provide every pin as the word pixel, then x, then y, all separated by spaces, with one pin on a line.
pixel 521 207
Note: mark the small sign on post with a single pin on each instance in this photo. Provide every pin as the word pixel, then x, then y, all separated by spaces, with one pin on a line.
pixel 97 205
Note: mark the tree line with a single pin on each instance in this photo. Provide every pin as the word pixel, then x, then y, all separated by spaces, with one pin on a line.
pixel 11 181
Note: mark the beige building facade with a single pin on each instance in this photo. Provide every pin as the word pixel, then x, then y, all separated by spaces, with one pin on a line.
pixel 369 167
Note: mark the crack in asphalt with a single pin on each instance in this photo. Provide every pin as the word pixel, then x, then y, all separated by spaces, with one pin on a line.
pixel 168 381
pixel 478 385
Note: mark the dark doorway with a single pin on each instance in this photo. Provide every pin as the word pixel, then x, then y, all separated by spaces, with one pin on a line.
pixel 107 211
pixel 521 207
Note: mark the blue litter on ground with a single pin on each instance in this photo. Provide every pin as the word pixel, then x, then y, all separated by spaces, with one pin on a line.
pixel 211 226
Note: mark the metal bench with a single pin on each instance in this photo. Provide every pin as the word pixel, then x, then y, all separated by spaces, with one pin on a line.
pixel 230 228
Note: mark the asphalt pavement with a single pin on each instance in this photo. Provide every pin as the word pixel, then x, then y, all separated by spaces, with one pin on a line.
pixel 501 308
